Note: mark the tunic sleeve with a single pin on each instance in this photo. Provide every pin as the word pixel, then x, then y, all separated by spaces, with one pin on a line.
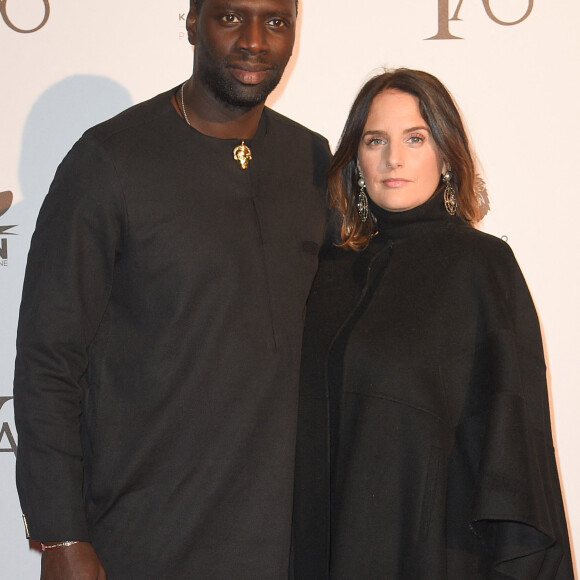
pixel 67 285
pixel 517 507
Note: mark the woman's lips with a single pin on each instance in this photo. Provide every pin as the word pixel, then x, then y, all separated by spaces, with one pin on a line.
pixel 395 182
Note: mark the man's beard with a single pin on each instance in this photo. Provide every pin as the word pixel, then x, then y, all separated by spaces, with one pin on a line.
pixel 231 93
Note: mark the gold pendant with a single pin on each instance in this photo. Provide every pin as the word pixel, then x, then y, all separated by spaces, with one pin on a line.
pixel 243 155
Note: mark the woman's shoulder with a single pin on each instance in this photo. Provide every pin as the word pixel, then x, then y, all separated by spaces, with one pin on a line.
pixel 342 272
pixel 333 256
pixel 479 244
pixel 483 259
pixel 334 263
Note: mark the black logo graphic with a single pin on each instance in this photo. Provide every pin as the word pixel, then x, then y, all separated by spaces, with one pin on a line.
pixel 10 24
pixel 443 32
pixel 6 436
pixel 6 198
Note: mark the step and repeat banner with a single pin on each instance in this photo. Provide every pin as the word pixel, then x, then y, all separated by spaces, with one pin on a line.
pixel 512 65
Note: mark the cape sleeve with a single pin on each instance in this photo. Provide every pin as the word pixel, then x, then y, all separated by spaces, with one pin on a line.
pixel 66 289
pixel 516 507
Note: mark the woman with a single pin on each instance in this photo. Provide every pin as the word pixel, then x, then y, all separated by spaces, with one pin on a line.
pixel 424 447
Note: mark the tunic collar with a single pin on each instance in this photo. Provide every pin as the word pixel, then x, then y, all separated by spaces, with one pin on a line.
pixel 261 131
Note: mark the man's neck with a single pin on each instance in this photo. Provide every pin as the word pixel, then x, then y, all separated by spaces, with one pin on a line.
pixel 216 119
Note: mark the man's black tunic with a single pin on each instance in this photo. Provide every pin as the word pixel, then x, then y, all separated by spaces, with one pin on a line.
pixel 159 342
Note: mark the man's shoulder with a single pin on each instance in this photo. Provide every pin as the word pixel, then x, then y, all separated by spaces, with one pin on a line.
pixel 135 119
pixel 277 119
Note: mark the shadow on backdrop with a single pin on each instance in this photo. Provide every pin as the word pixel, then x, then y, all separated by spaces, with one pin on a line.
pixel 56 121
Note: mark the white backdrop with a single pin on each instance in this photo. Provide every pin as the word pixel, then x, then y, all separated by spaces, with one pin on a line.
pixel 517 85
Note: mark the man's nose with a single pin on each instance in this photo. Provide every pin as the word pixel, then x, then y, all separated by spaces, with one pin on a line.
pixel 253 37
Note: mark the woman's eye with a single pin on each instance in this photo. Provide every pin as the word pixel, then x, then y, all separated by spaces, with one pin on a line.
pixel 376 141
pixel 416 139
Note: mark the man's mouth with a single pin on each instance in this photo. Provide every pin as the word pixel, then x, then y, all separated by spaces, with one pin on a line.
pixel 249 74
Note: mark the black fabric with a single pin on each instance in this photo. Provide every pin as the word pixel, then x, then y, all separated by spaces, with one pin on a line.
pixel 424 446
pixel 156 384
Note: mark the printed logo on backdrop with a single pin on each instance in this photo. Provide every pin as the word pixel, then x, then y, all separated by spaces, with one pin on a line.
pixel 7 439
pixel 444 18
pixel 6 198
pixel 8 21
pixel 181 20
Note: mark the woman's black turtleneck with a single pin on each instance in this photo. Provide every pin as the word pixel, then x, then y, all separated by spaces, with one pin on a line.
pixel 424 445
pixel 398 225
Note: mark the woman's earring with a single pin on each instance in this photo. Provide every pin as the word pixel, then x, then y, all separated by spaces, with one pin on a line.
pixel 449 194
pixel 362 204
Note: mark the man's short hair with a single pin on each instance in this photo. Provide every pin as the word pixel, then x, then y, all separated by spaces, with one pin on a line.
pixel 198 3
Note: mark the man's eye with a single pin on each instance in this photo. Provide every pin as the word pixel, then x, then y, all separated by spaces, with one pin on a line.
pixel 230 19
pixel 277 23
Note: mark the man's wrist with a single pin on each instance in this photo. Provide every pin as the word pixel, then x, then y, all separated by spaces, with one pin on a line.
pixel 57 545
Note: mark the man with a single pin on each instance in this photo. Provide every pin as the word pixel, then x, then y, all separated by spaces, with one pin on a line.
pixel 160 327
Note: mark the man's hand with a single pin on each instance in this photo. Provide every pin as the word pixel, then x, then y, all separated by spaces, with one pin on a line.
pixel 77 562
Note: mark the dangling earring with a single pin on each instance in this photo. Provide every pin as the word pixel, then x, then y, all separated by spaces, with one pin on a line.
pixel 449 194
pixel 362 204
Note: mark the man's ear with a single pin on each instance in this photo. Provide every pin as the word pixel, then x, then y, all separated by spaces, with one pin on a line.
pixel 191 25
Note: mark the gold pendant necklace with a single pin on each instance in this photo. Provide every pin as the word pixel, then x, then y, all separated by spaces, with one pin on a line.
pixel 242 153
